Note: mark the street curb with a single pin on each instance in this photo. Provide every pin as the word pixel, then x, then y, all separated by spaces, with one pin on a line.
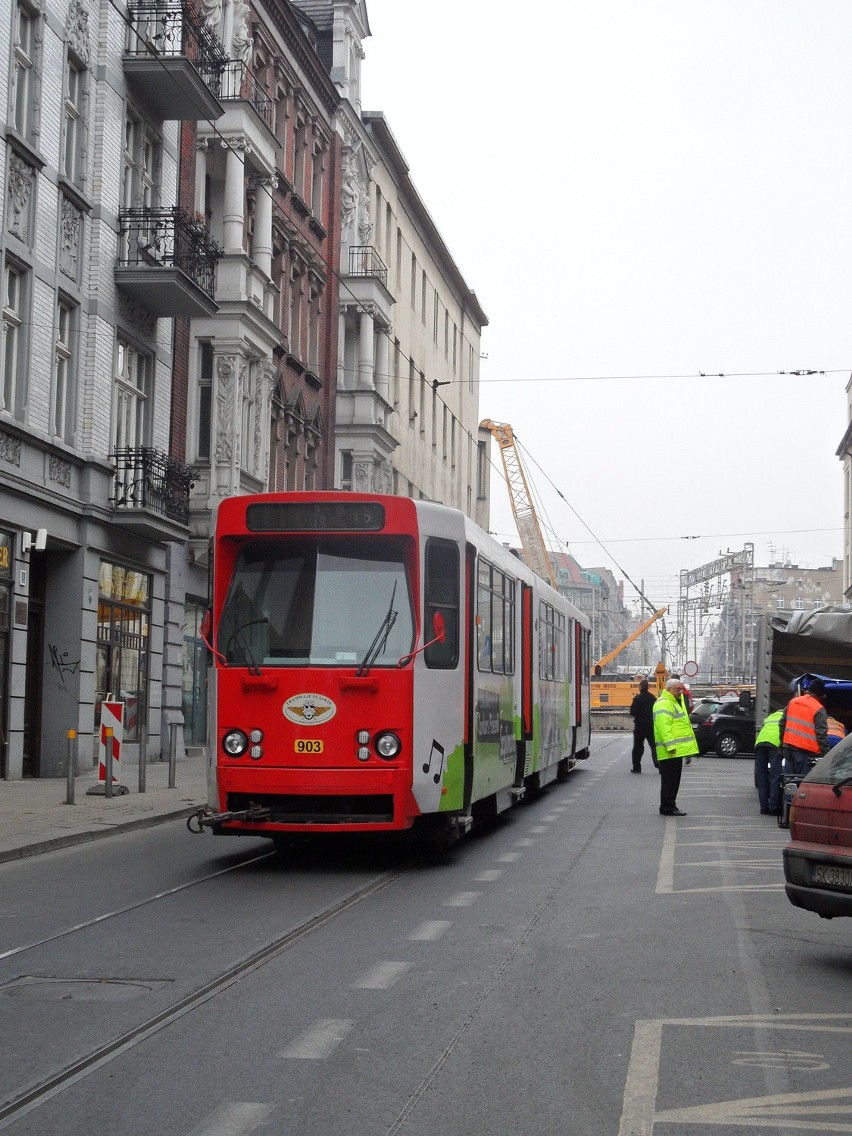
pixel 89 835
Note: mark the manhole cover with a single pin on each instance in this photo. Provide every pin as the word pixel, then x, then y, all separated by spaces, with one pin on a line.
pixel 80 989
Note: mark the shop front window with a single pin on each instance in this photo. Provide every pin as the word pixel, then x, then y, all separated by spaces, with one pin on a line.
pixel 5 602
pixel 124 622
pixel 194 676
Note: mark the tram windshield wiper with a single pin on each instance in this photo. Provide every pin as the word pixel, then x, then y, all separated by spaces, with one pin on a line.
pixel 237 634
pixel 380 638
pixel 838 785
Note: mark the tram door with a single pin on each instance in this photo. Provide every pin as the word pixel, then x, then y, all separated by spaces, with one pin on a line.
pixel 34 668
pixel 527 700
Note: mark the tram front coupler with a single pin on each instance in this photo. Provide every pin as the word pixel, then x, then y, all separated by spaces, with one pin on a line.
pixel 203 818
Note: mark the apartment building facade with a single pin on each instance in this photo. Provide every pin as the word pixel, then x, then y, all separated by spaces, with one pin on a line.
pixel 96 259
pixel 184 319
pixel 407 417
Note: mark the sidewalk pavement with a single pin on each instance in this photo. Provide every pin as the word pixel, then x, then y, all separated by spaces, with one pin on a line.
pixel 35 818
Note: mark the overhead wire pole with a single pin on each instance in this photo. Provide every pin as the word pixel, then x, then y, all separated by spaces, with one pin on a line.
pixel 529 530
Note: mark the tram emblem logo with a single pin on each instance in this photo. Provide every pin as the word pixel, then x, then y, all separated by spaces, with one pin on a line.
pixel 309 709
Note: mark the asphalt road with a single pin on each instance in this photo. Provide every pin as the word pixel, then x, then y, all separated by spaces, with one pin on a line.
pixel 581 966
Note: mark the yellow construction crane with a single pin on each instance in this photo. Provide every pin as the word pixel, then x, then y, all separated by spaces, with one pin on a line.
pixel 529 530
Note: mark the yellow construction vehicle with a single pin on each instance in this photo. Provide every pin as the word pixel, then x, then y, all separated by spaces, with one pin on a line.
pixel 615 691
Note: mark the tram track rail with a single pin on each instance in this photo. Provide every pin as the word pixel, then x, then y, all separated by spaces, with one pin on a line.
pixel 27 1100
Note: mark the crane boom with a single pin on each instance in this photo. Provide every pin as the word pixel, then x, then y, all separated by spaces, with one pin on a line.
pixel 601 663
pixel 529 530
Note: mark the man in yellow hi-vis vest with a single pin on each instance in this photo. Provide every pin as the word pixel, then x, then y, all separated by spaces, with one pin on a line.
pixel 675 741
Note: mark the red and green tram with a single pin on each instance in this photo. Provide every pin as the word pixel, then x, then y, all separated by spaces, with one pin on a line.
pixel 380 662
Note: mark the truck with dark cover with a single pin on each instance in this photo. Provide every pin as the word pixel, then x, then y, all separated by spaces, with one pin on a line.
pixel 799 645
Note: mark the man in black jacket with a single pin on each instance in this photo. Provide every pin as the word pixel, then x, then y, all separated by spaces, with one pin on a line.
pixel 642 713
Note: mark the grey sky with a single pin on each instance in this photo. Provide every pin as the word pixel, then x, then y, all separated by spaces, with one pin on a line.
pixel 646 189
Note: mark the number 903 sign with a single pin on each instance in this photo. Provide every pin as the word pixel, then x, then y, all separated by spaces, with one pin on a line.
pixel 308 745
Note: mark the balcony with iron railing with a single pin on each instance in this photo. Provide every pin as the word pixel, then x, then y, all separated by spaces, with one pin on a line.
pixel 167 262
pixel 174 61
pixel 238 83
pixel 151 492
pixel 367 280
pixel 365 261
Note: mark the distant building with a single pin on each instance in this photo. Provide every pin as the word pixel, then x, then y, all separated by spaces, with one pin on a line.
pixel 729 653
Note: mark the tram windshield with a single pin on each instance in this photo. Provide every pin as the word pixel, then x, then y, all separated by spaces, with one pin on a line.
pixel 317 604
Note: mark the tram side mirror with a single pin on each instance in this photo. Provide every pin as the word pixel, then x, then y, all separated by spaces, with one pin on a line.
pixel 439 635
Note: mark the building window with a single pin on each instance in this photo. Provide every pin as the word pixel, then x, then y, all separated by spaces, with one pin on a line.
pixel 247 416
pixel 62 395
pixel 435 317
pixel 346 471
pixel 317 182
pixel 294 329
pixel 299 152
pixel 15 299
pixel 132 396
pixel 26 71
pixel 205 401
pixel 142 161
pixel 395 392
pixel 121 660
pixel 481 470
pixel 314 320
pixel 423 298
pixel 413 281
pixel 72 148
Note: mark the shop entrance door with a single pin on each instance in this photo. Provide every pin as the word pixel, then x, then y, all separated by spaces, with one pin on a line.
pixel 35 667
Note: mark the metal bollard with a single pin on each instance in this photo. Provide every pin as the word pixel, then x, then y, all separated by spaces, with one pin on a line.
pixel 172 754
pixel 143 752
pixel 71 767
pixel 108 762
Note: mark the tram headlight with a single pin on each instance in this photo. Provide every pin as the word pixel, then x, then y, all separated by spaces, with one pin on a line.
pixel 387 745
pixel 235 743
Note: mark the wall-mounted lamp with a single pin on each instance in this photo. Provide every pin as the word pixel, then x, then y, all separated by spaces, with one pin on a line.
pixel 37 542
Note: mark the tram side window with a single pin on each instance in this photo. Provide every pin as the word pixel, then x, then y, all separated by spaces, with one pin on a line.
pixel 495 620
pixel 441 594
pixel 551 638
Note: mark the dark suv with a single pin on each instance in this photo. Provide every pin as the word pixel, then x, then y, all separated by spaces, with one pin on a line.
pixel 725 728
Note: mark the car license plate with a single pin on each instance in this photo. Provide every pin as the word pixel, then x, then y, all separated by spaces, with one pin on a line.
pixel 833 876
pixel 308 745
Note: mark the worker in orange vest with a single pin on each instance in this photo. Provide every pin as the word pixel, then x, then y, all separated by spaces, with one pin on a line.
pixel 804 729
